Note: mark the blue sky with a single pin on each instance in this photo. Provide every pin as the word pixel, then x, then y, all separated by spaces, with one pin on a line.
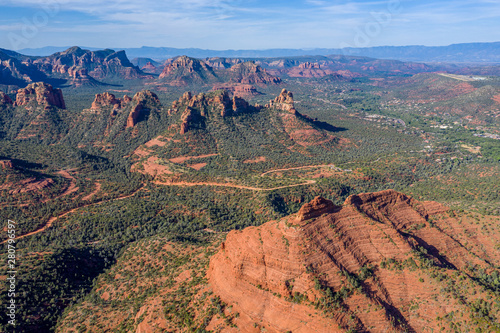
pixel 250 24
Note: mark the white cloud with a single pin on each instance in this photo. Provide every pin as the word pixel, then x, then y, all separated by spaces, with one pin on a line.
pixel 253 23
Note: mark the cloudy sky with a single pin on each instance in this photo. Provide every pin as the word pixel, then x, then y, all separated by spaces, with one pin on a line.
pixel 249 24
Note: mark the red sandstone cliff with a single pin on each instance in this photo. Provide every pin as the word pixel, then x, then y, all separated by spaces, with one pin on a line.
pixel 202 105
pixel 140 100
pixel 284 101
pixel 83 65
pixel 5 99
pixel 108 99
pixel 251 73
pixel 41 93
pixel 332 269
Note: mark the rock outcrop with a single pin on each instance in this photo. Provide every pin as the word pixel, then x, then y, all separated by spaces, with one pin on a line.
pixel 149 68
pixel 200 106
pixel 309 70
pixel 80 64
pixel 240 105
pixel 185 70
pixel 203 106
pixel 308 65
pixel 6 164
pixel 107 99
pixel 41 93
pixel 134 115
pixel 5 99
pixel 315 208
pixel 141 101
pixel 251 73
pixel 284 101
pixel 358 267
pixel 186 118
pixel 30 185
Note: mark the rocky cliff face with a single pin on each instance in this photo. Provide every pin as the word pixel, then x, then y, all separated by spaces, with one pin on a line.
pixel 82 64
pixel 16 73
pixel 203 106
pixel 309 70
pixel 142 101
pixel 373 265
pixel 251 73
pixel 107 99
pixel 80 77
pixel 42 94
pixel 284 101
pixel 5 99
pixel 185 70
pixel 186 118
pixel 149 68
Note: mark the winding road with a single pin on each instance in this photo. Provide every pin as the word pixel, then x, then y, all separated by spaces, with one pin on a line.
pixel 53 219
pixel 186 184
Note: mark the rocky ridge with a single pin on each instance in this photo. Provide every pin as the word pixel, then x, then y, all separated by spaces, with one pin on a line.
pixel 15 72
pixel 81 65
pixel 141 99
pixel 251 73
pixel 284 101
pixel 328 268
pixel 41 93
pixel 198 107
pixel 222 63
pixel 185 70
pixel 107 99
pixel 6 164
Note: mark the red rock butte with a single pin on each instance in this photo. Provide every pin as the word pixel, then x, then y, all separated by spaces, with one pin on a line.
pixel 299 273
pixel 141 100
pixel 42 93
pixel 284 101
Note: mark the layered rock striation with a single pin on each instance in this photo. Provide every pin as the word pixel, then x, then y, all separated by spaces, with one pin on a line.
pixel 360 267
pixel 42 94
pixel 83 65
pixel 284 101
pixel 251 73
pixel 142 102
pixel 185 70
pixel 198 108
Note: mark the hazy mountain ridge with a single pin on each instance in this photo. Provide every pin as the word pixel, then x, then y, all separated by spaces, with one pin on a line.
pixel 78 67
pixel 462 53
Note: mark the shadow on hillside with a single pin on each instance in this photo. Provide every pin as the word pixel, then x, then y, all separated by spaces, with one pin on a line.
pixel 322 124
pixel 22 163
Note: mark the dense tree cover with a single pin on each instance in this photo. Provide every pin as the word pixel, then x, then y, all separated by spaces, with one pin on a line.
pixel 51 281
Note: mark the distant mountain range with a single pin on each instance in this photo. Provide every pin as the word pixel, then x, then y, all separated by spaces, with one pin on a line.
pixel 79 67
pixel 457 53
